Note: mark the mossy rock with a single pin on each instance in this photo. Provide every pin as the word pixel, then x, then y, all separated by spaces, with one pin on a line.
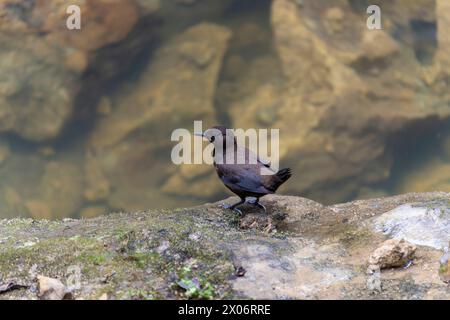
pixel 310 251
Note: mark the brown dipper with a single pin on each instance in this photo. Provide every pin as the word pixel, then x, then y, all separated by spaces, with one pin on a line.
pixel 242 177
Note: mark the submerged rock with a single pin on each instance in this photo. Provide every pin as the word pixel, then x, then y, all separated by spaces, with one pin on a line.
pixel 60 193
pixel 434 174
pixel 312 252
pixel 131 145
pixel 341 121
pixel 5 152
pixel 40 75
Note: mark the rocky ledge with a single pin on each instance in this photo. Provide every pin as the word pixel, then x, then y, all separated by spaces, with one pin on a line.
pixel 386 248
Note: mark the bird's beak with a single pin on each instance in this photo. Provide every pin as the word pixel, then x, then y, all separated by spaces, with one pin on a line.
pixel 199 134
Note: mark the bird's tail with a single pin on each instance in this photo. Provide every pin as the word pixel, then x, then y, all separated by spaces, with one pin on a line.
pixel 279 178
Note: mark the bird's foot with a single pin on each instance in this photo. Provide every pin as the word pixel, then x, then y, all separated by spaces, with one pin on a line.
pixel 238 211
pixel 232 207
pixel 259 205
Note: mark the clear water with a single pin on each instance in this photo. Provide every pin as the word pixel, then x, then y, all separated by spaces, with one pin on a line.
pixel 124 91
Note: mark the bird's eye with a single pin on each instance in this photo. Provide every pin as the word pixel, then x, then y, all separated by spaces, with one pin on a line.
pixel 213 138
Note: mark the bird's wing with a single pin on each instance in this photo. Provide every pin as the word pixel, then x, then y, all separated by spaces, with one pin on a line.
pixel 265 162
pixel 251 157
pixel 244 177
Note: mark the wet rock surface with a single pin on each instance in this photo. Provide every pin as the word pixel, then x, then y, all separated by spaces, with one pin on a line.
pixel 311 251
pixel 419 225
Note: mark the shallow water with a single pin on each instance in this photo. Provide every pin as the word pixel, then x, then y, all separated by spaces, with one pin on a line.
pixel 86 115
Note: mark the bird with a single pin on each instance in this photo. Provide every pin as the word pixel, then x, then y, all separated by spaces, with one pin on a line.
pixel 242 176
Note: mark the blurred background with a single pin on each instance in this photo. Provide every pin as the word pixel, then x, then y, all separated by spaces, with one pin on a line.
pixel 86 116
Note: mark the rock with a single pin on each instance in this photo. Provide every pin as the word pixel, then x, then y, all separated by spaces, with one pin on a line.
pixel 181 14
pixel 4 152
pixel 21 175
pixel 40 183
pixel 322 119
pixel 262 106
pixel 36 102
pixel 97 185
pixel 175 77
pixel 249 33
pixel 11 202
pixel 61 180
pixel 175 89
pixel 149 6
pixel 107 21
pixel 47 151
pixel 51 289
pixel 38 209
pixel 104 296
pixel 378 45
pixel 104 106
pixel 433 174
pixel 443 39
pixel 374 278
pixel 426 226
pixel 313 252
pixel 392 253
pixel 446 147
pixel 193 181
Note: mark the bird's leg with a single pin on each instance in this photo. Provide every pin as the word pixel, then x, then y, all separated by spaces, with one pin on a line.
pixel 233 206
pixel 259 205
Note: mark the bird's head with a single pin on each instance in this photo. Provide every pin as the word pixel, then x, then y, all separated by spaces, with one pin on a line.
pixel 218 133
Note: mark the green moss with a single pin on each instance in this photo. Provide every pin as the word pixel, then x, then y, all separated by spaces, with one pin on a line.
pixel 119 254
pixel 233 218
pixel 121 234
pixel 144 259
pixel 194 286
pixel 142 294
pixel 95 259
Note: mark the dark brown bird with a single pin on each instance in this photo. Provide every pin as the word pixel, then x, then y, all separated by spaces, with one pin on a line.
pixel 242 175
